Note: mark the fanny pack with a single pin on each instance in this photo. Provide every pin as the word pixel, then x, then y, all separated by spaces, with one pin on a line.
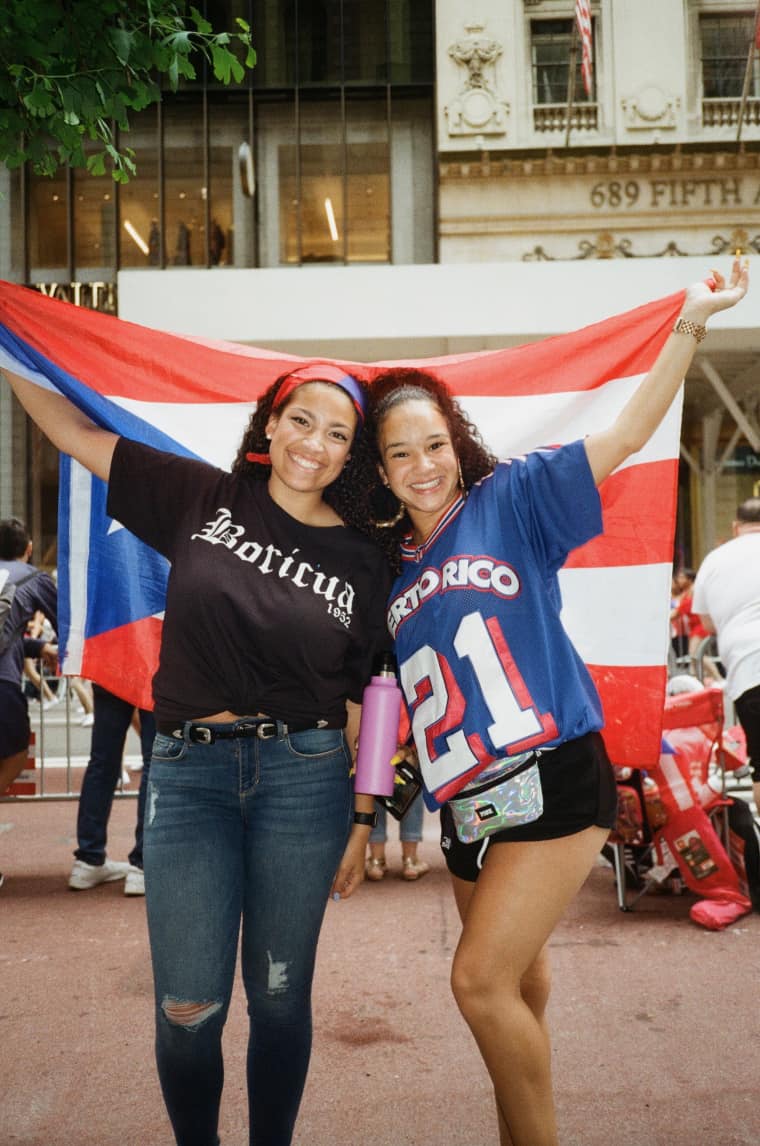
pixel 510 796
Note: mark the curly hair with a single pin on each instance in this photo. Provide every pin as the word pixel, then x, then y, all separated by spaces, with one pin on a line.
pixel 350 494
pixel 407 383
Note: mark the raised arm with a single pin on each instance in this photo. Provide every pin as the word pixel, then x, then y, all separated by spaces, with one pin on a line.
pixel 66 426
pixel 641 416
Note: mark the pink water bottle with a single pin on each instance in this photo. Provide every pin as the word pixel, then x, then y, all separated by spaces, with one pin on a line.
pixel 378 731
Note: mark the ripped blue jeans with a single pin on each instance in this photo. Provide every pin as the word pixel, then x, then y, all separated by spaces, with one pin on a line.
pixel 249 830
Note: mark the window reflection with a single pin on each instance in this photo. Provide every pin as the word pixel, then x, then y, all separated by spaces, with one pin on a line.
pixel 368 181
pixel 94 225
pixel 337 148
pixel 48 226
pixel 551 50
pixel 139 225
pixel 12 230
pixel 185 189
pixel 312 214
pixel 364 42
pixel 724 56
pixel 231 218
pixel 334 195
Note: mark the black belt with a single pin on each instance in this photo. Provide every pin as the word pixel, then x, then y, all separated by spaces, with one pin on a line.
pixel 263 727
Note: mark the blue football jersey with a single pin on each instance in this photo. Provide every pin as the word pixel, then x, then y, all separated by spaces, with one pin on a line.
pixel 485 664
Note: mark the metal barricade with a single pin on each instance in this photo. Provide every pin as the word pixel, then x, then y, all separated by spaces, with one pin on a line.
pixel 59 751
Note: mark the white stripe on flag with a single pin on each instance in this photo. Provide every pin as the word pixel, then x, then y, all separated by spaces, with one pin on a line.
pixel 614 615
pixel 515 425
pixel 9 362
pixel 211 430
pixel 509 425
pixel 80 495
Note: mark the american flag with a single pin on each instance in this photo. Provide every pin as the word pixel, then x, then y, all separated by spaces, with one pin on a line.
pixel 583 20
pixel 194 397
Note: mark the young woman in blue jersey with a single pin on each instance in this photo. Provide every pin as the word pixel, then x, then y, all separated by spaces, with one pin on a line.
pixel 275 610
pixel 489 675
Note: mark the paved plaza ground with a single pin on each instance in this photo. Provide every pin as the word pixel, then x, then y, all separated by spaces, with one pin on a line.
pixel 656 1024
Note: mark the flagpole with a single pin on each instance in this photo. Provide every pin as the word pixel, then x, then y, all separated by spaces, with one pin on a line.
pixel 748 73
pixel 571 78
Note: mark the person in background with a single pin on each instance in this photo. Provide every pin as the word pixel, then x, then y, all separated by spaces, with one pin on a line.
pixel 28 591
pixel 727 598
pixel 410 836
pixel 113 717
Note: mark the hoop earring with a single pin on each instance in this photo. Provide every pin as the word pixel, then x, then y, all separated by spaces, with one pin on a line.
pixel 391 521
pixel 459 471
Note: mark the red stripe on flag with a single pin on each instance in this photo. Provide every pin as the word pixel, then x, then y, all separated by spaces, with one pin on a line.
pixel 124 360
pixel 124 660
pixel 619 347
pixel 639 505
pixel 632 699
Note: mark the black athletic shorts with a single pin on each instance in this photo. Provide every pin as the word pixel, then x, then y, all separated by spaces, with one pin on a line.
pixel 748 710
pixel 579 790
pixel 14 719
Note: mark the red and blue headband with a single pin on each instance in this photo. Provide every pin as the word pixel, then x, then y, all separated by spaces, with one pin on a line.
pixel 325 372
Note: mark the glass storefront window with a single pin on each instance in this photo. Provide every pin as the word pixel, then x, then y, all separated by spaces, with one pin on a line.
pixel 94 226
pixel 139 205
pixel 364 42
pixel 231 206
pixel 368 182
pixel 332 114
pixel 334 178
pixel 48 227
pixel 410 42
pixel 12 231
pixel 306 42
pixel 312 214
pixel 185 186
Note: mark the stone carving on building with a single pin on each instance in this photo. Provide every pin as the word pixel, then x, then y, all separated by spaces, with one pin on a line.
pixel 609 246
pixel 476 108
pixel 650 110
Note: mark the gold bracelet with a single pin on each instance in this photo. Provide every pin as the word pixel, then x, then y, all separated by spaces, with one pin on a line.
pixel 686 326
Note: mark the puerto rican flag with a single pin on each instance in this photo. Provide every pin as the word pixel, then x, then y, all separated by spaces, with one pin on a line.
pixel 583 20
pixel 194 397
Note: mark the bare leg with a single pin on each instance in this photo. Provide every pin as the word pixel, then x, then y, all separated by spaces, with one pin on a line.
pixel 535 986
pixel 82 692
pixel 497 980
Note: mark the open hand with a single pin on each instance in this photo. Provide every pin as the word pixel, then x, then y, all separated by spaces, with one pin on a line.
pixel 706 298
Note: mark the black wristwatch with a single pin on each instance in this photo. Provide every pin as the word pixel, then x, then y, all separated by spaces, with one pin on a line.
pixel 368 819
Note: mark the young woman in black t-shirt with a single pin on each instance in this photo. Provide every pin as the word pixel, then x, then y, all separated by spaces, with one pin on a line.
pixel 275 609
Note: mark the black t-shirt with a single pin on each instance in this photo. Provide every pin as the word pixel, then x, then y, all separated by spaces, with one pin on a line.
pixel 263 613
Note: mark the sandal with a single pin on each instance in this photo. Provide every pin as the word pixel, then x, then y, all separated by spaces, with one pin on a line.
pixel 413 868
pixel 375 868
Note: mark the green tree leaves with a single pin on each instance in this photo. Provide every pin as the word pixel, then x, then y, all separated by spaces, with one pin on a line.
pixel 71 70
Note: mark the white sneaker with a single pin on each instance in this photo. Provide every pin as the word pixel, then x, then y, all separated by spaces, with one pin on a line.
pixel 86 875
pixel 134 884
pixel 87 720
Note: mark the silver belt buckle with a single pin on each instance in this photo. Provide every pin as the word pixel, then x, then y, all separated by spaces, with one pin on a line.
pixel 203 735
pixel 265 731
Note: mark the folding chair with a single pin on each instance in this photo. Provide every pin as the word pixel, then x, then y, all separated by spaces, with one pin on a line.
pixel 699 717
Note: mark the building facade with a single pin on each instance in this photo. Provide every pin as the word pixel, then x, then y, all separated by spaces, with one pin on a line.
pixel 404 178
